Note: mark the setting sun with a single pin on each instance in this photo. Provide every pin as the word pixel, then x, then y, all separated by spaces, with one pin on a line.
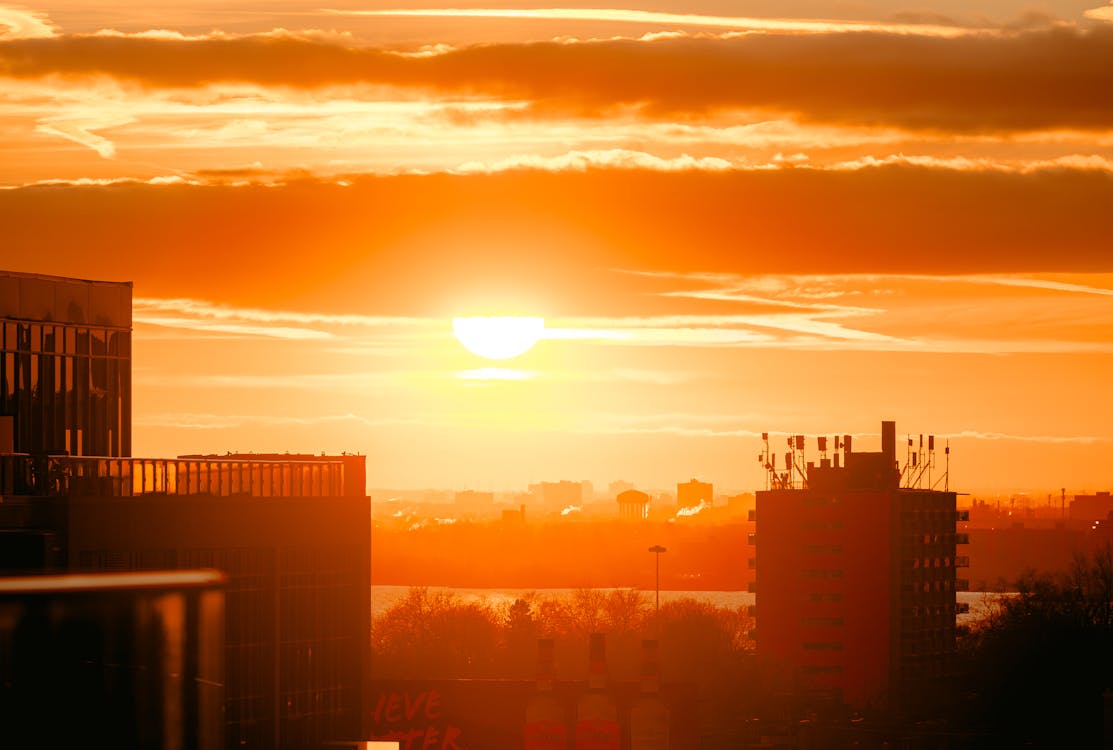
pixel 500 337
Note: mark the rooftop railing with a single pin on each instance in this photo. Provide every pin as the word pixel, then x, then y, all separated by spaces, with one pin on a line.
pixel 22 474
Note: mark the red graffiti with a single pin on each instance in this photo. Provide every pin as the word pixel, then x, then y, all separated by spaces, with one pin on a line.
pixel 421 709
pixel 429 738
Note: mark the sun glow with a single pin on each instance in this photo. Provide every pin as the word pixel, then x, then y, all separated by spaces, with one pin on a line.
pixel 498 337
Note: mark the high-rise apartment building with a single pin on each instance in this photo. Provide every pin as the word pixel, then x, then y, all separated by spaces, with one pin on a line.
pixel 856 570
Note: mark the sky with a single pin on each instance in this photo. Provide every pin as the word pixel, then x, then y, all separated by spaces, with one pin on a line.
pixel 803 216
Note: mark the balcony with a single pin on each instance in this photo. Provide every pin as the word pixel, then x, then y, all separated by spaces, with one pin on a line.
pixel 27 475
pixel 751 515
pixel 962 538
pixel 751 563
pixel 962 515
pixel 962 608
pixel 751 538
pixel 962 561
pixel 752 587
pixel 962 584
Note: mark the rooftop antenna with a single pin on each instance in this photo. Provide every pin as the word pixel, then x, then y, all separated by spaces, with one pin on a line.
pixel 765 460
pixel 931 458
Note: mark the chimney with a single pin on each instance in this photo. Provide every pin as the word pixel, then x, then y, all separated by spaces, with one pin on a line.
pixel 889 443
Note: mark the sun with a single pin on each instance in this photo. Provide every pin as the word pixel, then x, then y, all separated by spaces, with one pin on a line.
pixel 500 337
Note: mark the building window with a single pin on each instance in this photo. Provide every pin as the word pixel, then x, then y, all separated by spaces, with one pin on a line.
pixel 821 669
pixel 823 573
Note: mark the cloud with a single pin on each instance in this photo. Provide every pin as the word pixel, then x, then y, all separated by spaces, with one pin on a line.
pixel 206 421
pixel 25 24
pixel 1101 13
pixel 771 25
pixel 328 381
pixel 205 310
pixel 207 318
pixel 379 241
pixel 1050 439
pixel 581 161
pixel 79 129
pixel 988 82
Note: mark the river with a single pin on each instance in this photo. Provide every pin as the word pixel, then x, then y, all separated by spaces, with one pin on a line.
pixel 384 597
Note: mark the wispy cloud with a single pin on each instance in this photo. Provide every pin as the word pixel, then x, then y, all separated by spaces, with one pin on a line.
pixel 208 318
pixel 907 313
pixel 359 381
pixel 206 421
pixel 770 25
pixel 1101 13
pixel 610 158
pixel 1050 439
pixel 495 373
pixel 79 129
pixel 16 23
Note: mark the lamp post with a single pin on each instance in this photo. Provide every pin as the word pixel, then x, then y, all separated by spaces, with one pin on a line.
pixel 657 550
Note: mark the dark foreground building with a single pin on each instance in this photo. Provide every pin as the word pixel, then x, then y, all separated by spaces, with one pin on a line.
pixel 856 571
pixel 292 533
pixel 121 660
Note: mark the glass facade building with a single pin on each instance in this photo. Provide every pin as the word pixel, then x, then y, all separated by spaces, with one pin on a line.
pixel 290 533
pixel 65 374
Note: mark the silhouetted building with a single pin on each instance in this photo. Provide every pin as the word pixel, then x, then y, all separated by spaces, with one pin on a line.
pixel 693 493
pixel 559 494
pixel 291 532
pixel 120 660
pixel 474 499
pixel 633 504
pixel 293 535
pixel 65 366
pixel 855 573
pixel 1095 507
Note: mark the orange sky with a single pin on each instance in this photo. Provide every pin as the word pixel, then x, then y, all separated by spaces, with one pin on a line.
pixel 735 218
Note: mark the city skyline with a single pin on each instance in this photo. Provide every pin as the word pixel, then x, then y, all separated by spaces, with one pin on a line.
pixel 719 247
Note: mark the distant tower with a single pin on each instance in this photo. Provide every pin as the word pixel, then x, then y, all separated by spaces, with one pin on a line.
pixel 633 504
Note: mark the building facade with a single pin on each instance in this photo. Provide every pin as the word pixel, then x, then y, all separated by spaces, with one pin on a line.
pixel 65 366
pixel 693 493
pixel 856 573
pixel 291 533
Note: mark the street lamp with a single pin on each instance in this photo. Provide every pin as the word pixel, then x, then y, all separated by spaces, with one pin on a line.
pixel 657 550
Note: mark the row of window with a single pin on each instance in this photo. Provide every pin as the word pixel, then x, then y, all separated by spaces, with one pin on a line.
pixel 71 340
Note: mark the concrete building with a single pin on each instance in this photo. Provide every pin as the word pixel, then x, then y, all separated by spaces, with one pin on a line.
pixel 856 571
pixel 1096 507
pixel 292 533
pixel 692 493
pixel 558 494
